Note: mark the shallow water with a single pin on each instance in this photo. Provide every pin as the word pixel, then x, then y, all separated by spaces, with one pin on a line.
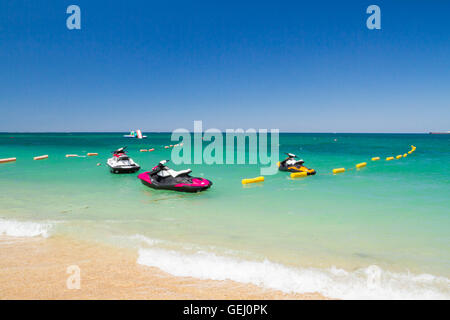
pixel 370 233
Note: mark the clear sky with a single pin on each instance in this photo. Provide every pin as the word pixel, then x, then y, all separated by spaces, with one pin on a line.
pixel 302 66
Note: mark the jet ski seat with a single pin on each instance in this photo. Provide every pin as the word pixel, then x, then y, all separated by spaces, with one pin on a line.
pixel 178 173
pixel 293 162
pixel 173 173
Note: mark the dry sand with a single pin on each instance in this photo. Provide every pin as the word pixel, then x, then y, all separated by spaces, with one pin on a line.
pixel 36 268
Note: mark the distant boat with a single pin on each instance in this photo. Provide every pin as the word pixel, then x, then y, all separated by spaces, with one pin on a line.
pixel 131 135
pixel 135 134
pixel 443 132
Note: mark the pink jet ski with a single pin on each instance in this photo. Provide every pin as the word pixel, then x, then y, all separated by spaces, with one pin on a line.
pixel 162 177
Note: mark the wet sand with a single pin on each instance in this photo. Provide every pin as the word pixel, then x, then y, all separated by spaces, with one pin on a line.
pixel 36 268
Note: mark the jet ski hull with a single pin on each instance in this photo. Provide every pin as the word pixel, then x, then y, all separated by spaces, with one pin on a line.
pixel 124 169
pixel 283 167
pixel 195 185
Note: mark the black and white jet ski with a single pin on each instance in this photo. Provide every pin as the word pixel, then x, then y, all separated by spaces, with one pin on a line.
pixel 162 177
pixel 121 163
pixel 290 164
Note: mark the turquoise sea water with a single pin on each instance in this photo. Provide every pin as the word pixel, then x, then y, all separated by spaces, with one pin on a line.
pixel 379 232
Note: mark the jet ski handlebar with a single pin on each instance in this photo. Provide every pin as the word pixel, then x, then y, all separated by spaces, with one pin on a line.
pixel 120 150
pixel 291 155
pixel 161 166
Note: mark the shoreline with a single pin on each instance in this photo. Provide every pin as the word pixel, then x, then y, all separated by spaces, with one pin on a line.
pixel 36 268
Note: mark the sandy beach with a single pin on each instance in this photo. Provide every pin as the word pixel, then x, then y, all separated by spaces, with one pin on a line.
pixel 36 268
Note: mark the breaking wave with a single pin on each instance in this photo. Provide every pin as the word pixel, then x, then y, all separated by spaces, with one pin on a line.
pixel 16 228
pixel 366 283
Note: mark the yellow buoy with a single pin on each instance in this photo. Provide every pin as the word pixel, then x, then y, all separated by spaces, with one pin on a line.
pixel 40 157
pixel 152 149
pixel 405 155
pixel 361 165
pixel 338 170
pixel 398 157
pixel 299 174
pixel 144 150
pixel 375 158
pixel 166 147
pixel 409 152
pixel 7 160
pixel 90 154
pixel 389 158
pixel 253 180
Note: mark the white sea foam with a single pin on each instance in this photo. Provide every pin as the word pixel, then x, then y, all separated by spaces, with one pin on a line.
pixel 16 228
pixel 367 283
pixel 145 239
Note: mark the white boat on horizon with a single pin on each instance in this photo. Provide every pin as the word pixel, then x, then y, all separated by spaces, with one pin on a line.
pixel 135 134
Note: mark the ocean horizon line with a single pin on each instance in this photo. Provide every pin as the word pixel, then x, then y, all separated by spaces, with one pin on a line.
pixel 191 131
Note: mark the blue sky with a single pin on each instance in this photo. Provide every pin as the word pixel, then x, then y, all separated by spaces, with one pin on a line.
pixel 302 66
